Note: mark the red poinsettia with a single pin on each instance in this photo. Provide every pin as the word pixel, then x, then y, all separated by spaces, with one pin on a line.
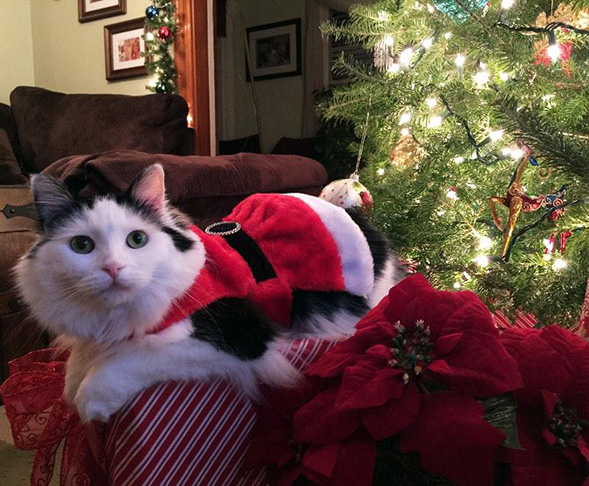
pixel 553 407
pixel 415 367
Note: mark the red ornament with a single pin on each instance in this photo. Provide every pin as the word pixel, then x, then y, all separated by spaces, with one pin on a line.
pixel 164 33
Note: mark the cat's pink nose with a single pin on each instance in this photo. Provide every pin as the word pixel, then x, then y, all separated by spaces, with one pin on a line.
pixel 113 269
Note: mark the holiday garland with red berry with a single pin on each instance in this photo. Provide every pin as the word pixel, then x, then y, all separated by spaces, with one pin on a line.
pixel 161 22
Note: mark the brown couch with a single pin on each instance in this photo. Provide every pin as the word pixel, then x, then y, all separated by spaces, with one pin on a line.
pixel 98 144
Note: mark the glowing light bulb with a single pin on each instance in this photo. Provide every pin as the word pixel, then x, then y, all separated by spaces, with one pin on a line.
pixel 517 153
pixel 389 40
pixel 496 135
pixel 547 257
pixel 485 243
pixel 481 77
pixel 405 56
pixel 441 212
pixel 405 118
pixel 427 43
pixel 394 68
pixel 382 15
pixel 507 4
pixel 431 102
pixel 435 122
pixel 457 285
pixel 430 8
pixel 152 82
pixel 447 35
pixel 559 264
pixel 459 159
pixel 553 52
pixel 506 151
pixel 503 76
pixel 405 132
pixel 466 276
pixel 149 36
pixel 451 194
pixel 460 60
pixel 380 171
pixel 471 185
pixel 482 261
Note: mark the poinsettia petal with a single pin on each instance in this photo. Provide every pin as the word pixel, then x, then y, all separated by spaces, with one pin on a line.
pixel 320 460
pixel 550 400
pixel 540 365
pixel 453 439
pixel 319 422
pixel 582 446
pixel 355 462
pixel 393 416
pixel 366 384
pixel 443 312
pixel 477 365
pixel 335 360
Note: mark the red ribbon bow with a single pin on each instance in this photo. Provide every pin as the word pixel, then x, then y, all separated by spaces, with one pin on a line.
pixel 40 420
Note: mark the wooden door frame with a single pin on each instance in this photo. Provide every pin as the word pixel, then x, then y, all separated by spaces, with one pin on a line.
pixel 195 62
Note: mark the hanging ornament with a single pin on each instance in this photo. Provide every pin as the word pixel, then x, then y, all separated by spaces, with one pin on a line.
pixel 151 12
pixel 542 55
pixel 565 14
pixel 406 153
pixel 517 201
pixel 164 33
pixel 455 11
pixel 350 193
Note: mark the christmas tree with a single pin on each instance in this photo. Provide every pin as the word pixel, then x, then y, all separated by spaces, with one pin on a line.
pixel 476 154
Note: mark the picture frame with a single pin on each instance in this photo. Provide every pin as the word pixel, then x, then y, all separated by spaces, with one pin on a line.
pixel 123 45
pixel 275 50
pixel 89 10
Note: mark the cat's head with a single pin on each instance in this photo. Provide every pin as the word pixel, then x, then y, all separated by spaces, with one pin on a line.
pixel 108 268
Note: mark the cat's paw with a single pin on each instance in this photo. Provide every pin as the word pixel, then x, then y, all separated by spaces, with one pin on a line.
pixel 98 399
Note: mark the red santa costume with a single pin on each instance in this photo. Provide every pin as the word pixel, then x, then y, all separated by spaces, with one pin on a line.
pixel 271 244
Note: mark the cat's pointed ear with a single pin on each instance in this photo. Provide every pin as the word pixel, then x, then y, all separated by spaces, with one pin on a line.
pixel 149 188
pixel 52 198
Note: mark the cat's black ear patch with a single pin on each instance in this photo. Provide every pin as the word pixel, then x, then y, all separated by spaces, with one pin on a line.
pixel 53 200
pixel 181 242
pixel 234 326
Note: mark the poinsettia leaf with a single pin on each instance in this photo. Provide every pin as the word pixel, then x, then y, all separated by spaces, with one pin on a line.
pixel 500 413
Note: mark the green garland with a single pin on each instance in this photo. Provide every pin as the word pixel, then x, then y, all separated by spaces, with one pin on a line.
pixel 161 23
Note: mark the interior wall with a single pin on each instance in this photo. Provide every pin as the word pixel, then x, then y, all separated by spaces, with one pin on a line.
pixel 280 100
pixel 69 56
pixel 16 48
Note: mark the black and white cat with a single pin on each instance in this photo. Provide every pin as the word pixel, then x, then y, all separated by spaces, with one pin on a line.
pixel 106 272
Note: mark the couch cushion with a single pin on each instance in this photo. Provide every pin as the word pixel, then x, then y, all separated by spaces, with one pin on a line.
pixel 55 125
pixel 206 187
pixel 10 172
pixel 7 123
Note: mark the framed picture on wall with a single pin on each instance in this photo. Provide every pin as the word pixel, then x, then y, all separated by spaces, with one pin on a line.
pixel 89 10
pixel 274 50
pixel 123 45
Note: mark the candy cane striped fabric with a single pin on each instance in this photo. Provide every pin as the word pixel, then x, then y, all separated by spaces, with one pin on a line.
pixel 192 434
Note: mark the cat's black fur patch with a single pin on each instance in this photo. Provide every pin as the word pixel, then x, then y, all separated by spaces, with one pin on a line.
pixel 306 304
pixel 181 242
pixel 234 326
pixel 377 241
pixel 33 251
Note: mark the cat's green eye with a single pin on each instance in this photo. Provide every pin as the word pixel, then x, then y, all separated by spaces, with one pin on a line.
pixel 136 239
pixel 82 244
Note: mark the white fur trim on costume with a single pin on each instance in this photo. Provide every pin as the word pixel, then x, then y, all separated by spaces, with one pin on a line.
pixel 357 262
